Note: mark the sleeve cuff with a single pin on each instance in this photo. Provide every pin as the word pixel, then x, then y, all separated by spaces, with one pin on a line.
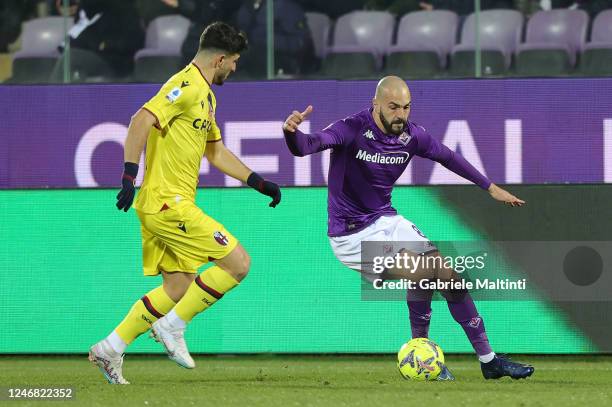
pixel 157 121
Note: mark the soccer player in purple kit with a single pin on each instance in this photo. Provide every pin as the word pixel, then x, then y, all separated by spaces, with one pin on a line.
pixel 369 152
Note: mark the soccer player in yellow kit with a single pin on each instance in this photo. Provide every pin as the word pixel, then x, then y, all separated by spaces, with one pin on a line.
pixel 178 126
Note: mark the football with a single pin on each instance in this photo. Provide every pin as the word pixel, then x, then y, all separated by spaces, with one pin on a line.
pixel 420 359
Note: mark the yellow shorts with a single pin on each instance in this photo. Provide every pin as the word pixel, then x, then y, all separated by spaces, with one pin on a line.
pixel 182 238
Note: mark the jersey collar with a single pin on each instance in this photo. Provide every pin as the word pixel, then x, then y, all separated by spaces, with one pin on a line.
pixel 203 77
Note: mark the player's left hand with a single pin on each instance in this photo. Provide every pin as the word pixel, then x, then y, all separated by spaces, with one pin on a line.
pixel 504 196
pixel 273 191
pixel 268 188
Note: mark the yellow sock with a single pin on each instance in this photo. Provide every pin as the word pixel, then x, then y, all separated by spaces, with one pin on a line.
pixel 152 306
pixel 205 290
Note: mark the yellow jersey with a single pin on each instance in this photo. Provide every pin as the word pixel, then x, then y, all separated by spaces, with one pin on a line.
pixel 185 111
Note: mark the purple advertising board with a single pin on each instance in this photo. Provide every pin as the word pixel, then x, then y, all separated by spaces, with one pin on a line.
pixel 515 131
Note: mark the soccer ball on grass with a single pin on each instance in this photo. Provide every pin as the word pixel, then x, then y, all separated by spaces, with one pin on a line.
pixel 420 359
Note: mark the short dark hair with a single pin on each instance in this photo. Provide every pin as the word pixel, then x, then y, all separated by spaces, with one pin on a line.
pixel 223 37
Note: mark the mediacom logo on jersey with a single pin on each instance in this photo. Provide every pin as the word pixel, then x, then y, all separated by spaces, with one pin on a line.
pixel 384 157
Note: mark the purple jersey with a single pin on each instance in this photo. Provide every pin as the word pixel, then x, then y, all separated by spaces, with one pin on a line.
pixel 365 163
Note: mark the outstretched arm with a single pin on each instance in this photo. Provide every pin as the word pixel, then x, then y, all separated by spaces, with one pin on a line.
pixel 225 161
pixel 301 144
pixel 431 148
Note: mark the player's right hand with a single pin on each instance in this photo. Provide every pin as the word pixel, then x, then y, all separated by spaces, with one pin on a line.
pixel 125 197
pixel 295 118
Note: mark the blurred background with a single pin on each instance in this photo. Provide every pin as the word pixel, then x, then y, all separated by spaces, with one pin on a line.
pixel 92 41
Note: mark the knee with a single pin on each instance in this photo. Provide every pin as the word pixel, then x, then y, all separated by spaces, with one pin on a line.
pixel 454 295
pixel 236 264
pixel 243 265
pixel 176 289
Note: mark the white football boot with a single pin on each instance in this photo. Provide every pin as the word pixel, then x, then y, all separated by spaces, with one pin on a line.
pixel 110 362
pixel 173 341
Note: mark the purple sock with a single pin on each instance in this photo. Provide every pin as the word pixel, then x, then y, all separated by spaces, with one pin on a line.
pixel 466 314
pixel 419 310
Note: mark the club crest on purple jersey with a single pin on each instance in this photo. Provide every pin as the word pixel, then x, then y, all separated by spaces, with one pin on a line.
pixel 404 138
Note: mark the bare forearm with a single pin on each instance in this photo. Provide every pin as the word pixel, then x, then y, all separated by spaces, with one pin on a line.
pixel 226 162
pixel 138 132
pixel 134 144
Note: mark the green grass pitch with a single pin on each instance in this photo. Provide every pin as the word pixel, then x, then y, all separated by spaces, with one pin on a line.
pixel 290 380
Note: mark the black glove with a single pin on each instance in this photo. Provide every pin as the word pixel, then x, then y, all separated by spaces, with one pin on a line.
pixel 269 188
pixel 125 197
